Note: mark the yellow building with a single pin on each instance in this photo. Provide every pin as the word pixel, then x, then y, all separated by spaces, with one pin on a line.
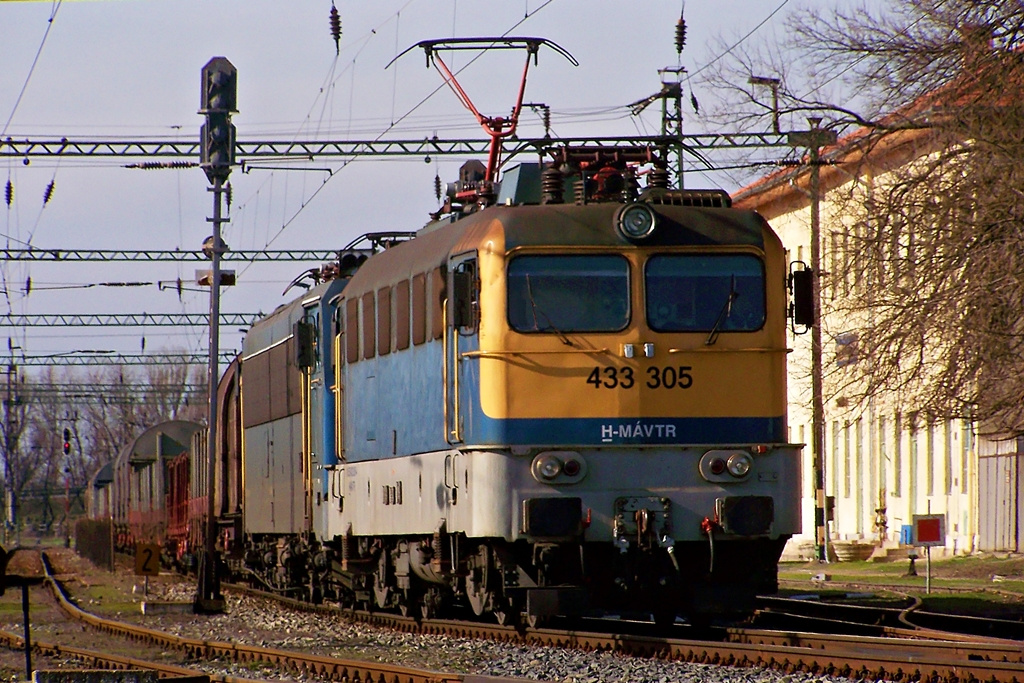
pixel 883 462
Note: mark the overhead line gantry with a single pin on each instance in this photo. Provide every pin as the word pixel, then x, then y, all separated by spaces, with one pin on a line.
pixel 126 319
pixel 281 150
pixel 167 255
pixel 103 359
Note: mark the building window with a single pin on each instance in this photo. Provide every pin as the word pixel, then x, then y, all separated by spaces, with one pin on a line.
pixel 929 458
pixel 847 349
pixel 947 454
pixel 897 457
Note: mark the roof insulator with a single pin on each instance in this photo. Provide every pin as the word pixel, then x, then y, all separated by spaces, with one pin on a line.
pixel 336 29
pixel 680 35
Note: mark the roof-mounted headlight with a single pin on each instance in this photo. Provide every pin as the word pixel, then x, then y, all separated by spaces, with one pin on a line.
pixel 636 222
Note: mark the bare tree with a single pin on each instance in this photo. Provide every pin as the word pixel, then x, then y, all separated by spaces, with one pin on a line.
pixel 16 464
pixel 928 184
pixel 98 413
pixel 44 435
pixel 171 394
pixel 133 401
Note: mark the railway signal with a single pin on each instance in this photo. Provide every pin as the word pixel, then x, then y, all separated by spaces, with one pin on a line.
pixel 218 100
pixel 217 154
pixel 67 441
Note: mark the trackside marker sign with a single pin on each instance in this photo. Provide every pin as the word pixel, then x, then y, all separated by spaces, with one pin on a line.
pixel 929 530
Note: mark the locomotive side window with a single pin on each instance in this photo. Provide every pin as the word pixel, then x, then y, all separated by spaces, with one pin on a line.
pixel 352 330
pixel 369 328
pixel 585 293
pixel 705 292
pixel 384 321
pixel 419 309
pixel 402 315
pixel 464 295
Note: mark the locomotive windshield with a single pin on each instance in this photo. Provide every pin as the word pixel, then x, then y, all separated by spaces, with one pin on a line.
pixel 705 292
pixel 585 293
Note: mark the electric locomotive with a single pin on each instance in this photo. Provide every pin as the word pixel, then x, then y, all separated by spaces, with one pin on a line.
pixel 565 394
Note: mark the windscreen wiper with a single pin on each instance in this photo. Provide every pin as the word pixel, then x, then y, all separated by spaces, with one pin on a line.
pixel 723 314
pixel 550 325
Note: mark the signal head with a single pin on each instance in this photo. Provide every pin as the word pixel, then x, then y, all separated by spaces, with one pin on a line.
pixel 219 86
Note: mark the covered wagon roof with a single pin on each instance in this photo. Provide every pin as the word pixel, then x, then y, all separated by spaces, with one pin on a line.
pixel 164 440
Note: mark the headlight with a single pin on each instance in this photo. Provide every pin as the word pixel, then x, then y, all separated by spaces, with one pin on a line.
pixel 548 466
pixel 739 464
pixel 637 221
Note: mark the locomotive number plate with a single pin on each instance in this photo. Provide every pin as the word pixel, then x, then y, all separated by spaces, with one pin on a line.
pixel 657 377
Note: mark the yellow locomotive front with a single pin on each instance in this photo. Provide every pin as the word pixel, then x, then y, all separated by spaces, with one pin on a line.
pixel 630 360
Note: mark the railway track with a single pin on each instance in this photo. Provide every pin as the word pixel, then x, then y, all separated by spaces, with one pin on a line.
pixel 110 661
pixel 912 656
pixel 905 621
pixel 287 663
pixel 901 654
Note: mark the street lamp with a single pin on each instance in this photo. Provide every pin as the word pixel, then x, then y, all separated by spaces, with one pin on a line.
pixel 814 139
pixel 772 83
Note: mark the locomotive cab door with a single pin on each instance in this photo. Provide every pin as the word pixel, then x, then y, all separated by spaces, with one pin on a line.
pixel 309 360
pixel 462 327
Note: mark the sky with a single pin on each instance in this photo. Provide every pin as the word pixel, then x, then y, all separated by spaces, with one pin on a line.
pixel 130 69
